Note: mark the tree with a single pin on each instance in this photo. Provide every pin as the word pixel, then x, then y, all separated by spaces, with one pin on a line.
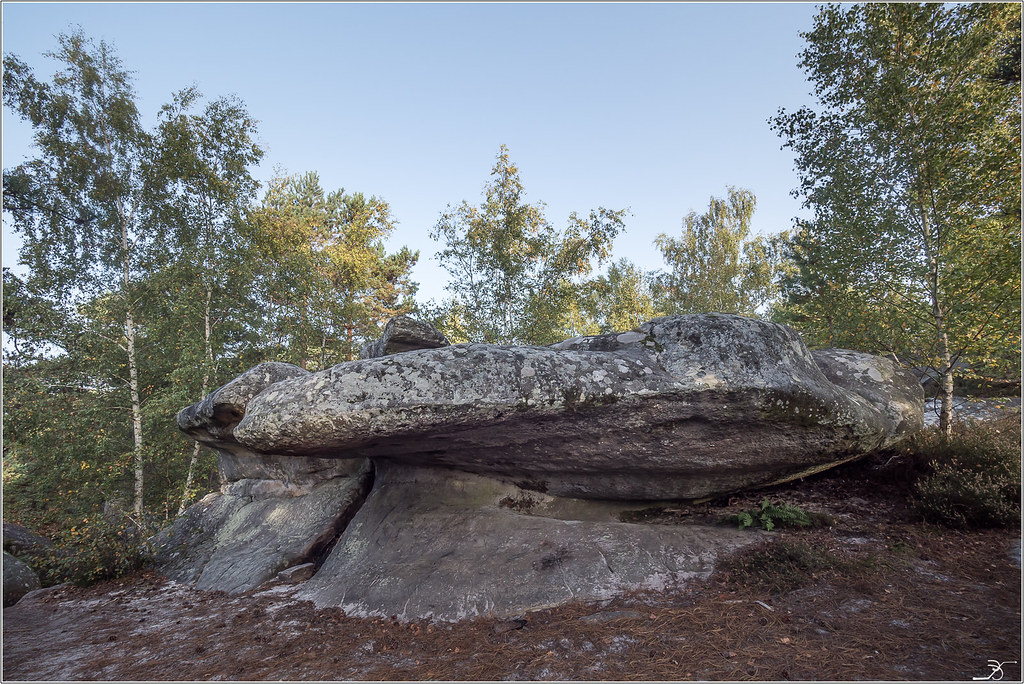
pixel 620 299
pixel 80 205
pixel 715 264
pixel 820 299
pixel 327 280
pixel 204 285
pixel 515 279
pixel 912 169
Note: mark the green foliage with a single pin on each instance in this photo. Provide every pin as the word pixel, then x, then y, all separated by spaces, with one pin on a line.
pixel 974 477
pixel 515 279
pixel 152 281
pixel 327 283
pixel 715 265
pixel 83 205
pixel 620 299
pixel 911 166
pixel 96 550
pixel 771 515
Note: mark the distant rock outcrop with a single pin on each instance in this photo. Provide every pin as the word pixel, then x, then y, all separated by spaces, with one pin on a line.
pixel 500 470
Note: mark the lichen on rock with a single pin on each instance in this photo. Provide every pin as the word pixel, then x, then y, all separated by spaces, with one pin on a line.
pixel 682 407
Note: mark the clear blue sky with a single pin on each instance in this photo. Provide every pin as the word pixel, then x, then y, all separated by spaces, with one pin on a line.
pixel 654 107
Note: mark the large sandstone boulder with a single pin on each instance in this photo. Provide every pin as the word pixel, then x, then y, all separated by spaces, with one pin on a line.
pixel 241 537
pixel 443 544
pixel 20 541
pixel 501 471
pixel 682 407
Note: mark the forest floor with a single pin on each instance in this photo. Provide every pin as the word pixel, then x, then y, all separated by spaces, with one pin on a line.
pixel 875 595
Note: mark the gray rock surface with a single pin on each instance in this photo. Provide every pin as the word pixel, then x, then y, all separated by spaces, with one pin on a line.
pixel 438 543
pixel 402 334
pixel 501 472
pixel 19 579
pixel 682 407
pixel 19 541
pixel 893 391
pixel 212 422
pixel 238 539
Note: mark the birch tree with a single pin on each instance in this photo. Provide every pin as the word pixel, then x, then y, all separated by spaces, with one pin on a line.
pixel 205 281
pixel 79 205
pixel 911 165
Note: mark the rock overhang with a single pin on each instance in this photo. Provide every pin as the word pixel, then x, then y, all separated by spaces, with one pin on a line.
pixel 495 469
pixel 677 407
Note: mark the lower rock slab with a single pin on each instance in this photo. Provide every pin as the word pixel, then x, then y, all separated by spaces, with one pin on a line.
pixel 242 537
pixel 447 545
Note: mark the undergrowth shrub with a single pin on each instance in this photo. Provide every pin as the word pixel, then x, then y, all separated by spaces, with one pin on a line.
pixel 973 478
pixel 96 550
pixel 785 565
pixel 771 515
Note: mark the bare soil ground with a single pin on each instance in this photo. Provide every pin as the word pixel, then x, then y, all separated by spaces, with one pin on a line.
pixel 876 595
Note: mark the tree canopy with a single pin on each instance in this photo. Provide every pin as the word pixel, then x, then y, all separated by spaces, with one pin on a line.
pixel 911 165
pixel 716 265
pixel 515 278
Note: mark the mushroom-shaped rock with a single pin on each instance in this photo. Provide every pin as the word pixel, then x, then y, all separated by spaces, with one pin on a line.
pixel 501 472
pixel 681 407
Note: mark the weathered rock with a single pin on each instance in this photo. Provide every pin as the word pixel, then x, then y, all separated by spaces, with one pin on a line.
pixel 216 415
pixel 501 471
pixel 19 579
pixel 893 391
pixel 402 334
pixel 240 538
pixel 296 573
pixel 682 407
pixel 19 541
pixel 212 422
pixel 432 542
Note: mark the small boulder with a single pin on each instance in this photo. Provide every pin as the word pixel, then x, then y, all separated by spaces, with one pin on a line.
pixel 402 334
pixel 296 573
pixel 19 541
pixel 19 579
